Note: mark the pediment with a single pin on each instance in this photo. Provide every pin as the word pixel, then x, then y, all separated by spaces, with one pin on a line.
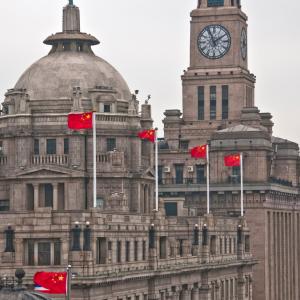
pixel 49 171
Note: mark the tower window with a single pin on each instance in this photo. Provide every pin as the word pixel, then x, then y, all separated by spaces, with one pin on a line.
pixel 213 102
pixel 224 102
pixel 215 3
pixel 201 103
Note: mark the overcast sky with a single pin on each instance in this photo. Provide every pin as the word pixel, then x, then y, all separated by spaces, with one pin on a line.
pixel 148 42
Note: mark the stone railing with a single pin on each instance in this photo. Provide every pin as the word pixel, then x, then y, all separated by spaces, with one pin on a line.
pixel 103 158
pixel 50 159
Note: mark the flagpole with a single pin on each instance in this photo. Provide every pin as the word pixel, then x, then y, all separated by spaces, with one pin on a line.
pixel 156 170
pixel 94 162
pixel 242 185
pixel 69 277
pixel 207 179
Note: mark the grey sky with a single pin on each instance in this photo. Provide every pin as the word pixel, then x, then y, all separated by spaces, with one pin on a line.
pixel 148 42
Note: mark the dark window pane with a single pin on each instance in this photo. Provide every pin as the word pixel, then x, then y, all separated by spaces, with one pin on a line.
pixel 48 195
pixel 44 257
pixel 215 3
pixel 111 144
pixel 102 253
pixel 136 250
pixel 36 147
pixel 160 174
pixel 184 145
pixel 66 146
pixel 179 174
pixel 107 108
pixel 171 209
pixel 201 103
pixel 200 174
pixel 4 205
pixel 225 102
pixel 213 102
pixel 144 250
pixel 30 253
pixel 57 253
pixel 127 250
pixel 119 245
pixel 51 146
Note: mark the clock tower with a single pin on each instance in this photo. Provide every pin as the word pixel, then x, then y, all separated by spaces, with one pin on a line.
pixel 217 86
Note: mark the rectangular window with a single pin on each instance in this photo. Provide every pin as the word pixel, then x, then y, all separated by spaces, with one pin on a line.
pixel 127 250
pixel 211 3
pixel 30 246
pixel 179 174
pixel 200 173
pixel 44 256
pixel 101 245
pixel 171 209
pixel 136 244
pixel 213 245
pixel 107 108
pixel 51 146
pixel 247 243
pixel 119 248
pixel 201 103
pixel 160 174
pixel 36 147
pixel 48 195
pixel 221 245
pixel 57 254
pixel 184 145
pixel 4 205
pixel 162 247
pixel 213 102
pixel 66 146
pixel 224 102
pixel 110 144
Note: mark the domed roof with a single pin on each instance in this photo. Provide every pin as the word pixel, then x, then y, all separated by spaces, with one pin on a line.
pixel 55 75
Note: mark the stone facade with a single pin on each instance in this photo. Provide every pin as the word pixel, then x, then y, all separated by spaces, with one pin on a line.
pixel 120 249
pixel 219 110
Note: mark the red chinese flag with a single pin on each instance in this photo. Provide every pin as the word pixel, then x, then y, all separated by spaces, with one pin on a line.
pixel 199 151
pixel 148 135
pixel 50 282
pixel 80 121
pixel 232 160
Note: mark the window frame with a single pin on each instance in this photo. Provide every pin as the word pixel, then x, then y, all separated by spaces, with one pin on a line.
pixel 110 142
pixel 51 149
pixel 213 102
pixel 201 103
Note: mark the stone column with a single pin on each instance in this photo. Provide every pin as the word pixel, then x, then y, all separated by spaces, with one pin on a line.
pixel 204 291
pixel 55 196
pixel 36 195
pixel 241 285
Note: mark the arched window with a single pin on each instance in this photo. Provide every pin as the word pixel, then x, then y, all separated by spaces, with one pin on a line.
pixel 215 3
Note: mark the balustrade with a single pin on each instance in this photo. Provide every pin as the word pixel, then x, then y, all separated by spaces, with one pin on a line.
pixel 50 159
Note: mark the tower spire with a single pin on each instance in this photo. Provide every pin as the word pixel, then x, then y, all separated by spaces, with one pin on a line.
pixel 71 18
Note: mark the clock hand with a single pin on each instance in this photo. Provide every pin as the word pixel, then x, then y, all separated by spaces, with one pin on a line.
pixel 212 37
pixel 219 38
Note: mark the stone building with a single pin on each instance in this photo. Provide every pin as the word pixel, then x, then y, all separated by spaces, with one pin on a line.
pixel 219 109
pixel 120 249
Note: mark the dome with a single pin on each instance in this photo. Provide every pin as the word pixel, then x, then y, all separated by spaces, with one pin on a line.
pixel 55 75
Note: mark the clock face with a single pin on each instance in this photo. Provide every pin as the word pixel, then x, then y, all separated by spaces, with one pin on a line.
pixel 214 41
pixel 244 43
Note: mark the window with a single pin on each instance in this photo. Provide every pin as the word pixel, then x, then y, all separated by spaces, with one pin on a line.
pixel 43 252
pixel 200 174
pixel 51 146
pixel 48 195
pixel 107 108
pixel 224 102
pixel 221 245
pixel 225 245
pixel 247 243
pixel 160 174
pixel 215 3
pixel 119 247
pixel 4 205
pixel 179 174
pixel 101 250
pixel 171 209
pixel 144 250
pixel 236 174
pixel 136 243
pixel 1 147
pixel 184 145
pixel 66 146
pixel 100 202
pixel 201 103
pixel 36 147
pixel 110 144
pixel 213 102
pixel 213 245
pixel 163 247
pixel 127 250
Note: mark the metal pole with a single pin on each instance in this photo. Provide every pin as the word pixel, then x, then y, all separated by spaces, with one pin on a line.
pixel 242 185
pixel 69 278
pixel 156 170
pixel 94 162
pixel 207 179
